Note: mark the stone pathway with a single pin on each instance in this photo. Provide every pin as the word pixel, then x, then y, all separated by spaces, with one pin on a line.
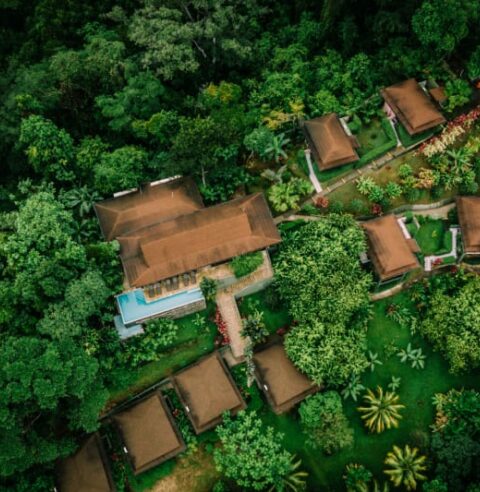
pixel 227 304
pixel 430 260
pixel 311 173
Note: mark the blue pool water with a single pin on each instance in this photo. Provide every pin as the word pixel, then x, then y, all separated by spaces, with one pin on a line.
pixel 134 307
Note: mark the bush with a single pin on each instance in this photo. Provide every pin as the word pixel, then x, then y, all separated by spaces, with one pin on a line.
pixel 246 264
pixel 356 206
pixel 272 298
pixel 458 92
pixel 404 171
pixel 324 422
pixel 159 333
pixel 336 206
pixel 208 286
pixel 409 216
pixel 453 215
pixel 355 124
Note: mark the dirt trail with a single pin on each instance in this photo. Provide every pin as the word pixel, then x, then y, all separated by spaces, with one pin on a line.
pixel 195 473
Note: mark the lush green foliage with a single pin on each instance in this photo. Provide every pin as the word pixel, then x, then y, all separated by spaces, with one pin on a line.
pixel 159 333
pixel 381 410
pixel 324 423
pixel 246 264
pixel 456 438
pixel 319 276
pixel 406 467
pixel 451 324
pixel 251 454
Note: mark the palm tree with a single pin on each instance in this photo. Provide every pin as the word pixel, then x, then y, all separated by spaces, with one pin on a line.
pixel 274 176
pixel 275 149
pixel 357 478
pixel 382 410
pixel 294 481
pixel 406 467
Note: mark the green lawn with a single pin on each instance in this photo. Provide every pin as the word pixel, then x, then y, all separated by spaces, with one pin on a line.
pixel 194 340
pixel 274 318
pixel 408 140
pixel 371 137
pixel 416 392
pixel 433 237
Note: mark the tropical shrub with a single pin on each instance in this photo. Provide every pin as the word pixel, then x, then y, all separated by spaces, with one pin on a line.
pixel 381 411
pixel 254 327
pixel 209 287
pixel 159 333
pixel 287 196
pixel 451 324
pixel 406 467
pixel 246 264
pixel 329 342
pixel 251 454
pixel 324 423
pixel 455 442
pixel 458 92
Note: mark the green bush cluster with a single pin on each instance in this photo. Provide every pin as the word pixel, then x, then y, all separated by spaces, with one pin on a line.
pixel 246 264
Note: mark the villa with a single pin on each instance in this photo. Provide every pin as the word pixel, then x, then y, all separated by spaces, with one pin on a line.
pixel 148 433
pixel 207 390
pixel 282 383
pixel 411 104
pixel 330 141
pixel 468 208
pixel 169 241
pixel 390 248
pixel 86 470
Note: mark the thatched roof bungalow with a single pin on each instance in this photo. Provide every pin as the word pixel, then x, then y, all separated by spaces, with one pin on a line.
pixel 329 143
pixel 391 253
pixel 468 208
pixel 412 106
pixel 282 383
pixel 206 390
pixel 86 471
pixel 149 433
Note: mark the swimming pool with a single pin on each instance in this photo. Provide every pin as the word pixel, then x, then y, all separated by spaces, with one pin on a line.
pixel 134 307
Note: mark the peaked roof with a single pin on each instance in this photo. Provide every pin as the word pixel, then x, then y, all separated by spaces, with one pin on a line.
pixel 413 107
pixel 86 470
pixel 208 390
pixel 389 249
pixel 149 433
pixel 147 206
pixel 330 145
pixel 207 236
pixel 283 384
pixel 468 208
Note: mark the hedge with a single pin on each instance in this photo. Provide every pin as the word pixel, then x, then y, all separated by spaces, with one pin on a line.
pixel 246 264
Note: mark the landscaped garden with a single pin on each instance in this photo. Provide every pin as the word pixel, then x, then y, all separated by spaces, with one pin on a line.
pixel 433 236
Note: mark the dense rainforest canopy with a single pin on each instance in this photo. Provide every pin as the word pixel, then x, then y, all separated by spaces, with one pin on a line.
pixel 97 96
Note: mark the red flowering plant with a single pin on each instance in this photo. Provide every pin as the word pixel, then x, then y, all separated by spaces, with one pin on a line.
pixel 322 202
pixel 222 327
pixel 377 209
pixel 437 262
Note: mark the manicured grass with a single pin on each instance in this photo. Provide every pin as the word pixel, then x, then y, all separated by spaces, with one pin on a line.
pixel 371 137
pixel 432 236
pixel 408 140
pixel 416 391
pixel 194 340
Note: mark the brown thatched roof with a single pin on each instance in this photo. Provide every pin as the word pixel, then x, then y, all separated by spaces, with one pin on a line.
pixel 148 206
pixel 468 208
pixel 207 389
pixel 207 236
pixel 283 384
pixel 389 249
pixel 86 470
pixel 415 110
pixel 330 145
pixel 149 433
